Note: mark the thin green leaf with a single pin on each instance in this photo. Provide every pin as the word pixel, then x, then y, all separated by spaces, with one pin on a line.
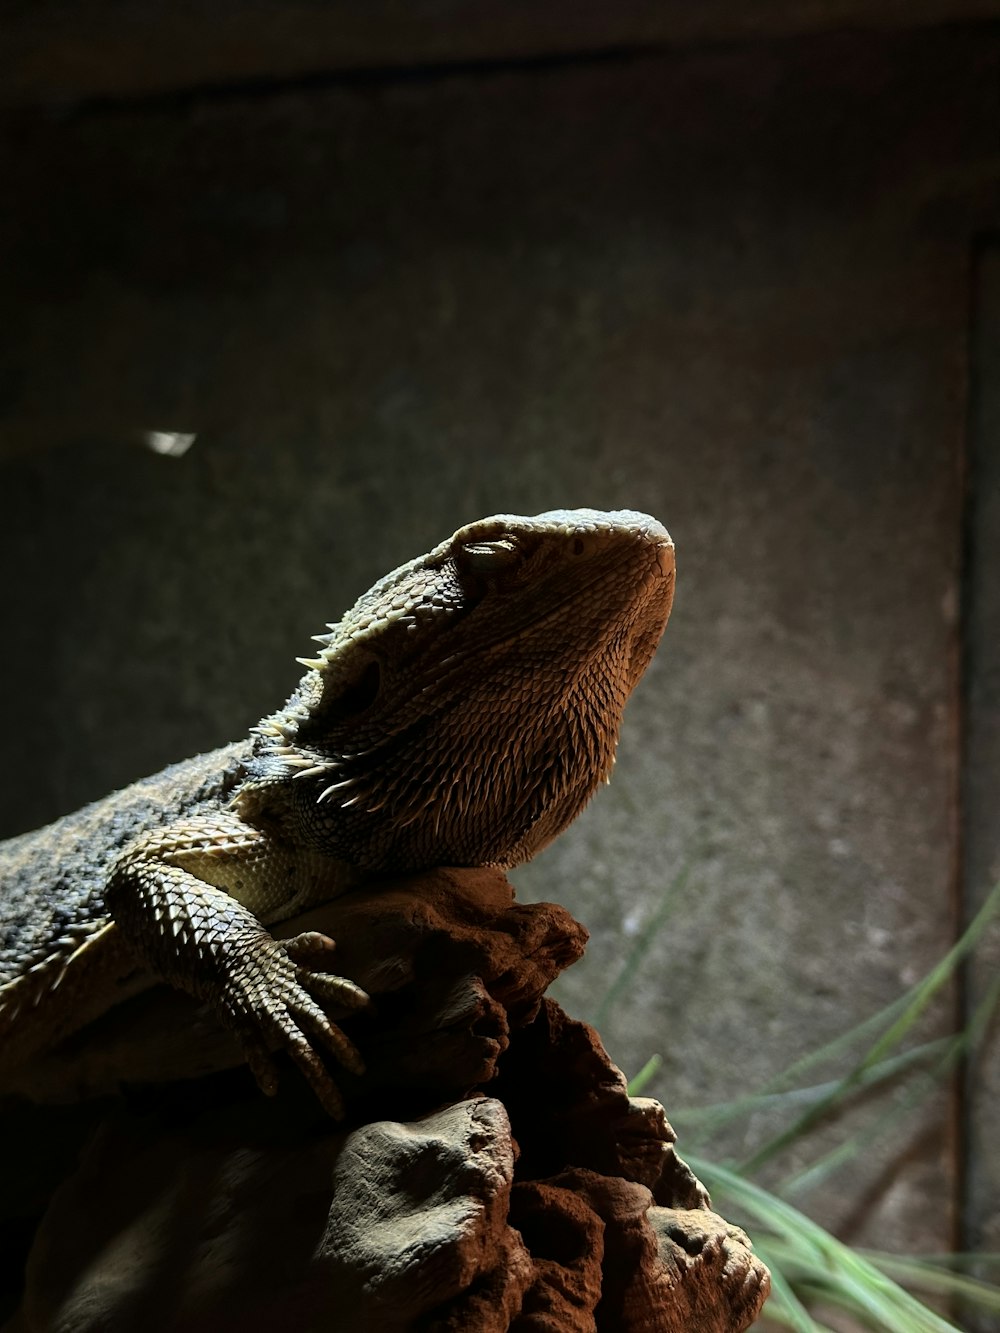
pixel 955 1048
pixel 845 1278
pixel 959 1260
pixel 783 1305
pixel 645 1074
pixel 699 1122
pixel 937 1279
pixel 641 947
pixel 917 1000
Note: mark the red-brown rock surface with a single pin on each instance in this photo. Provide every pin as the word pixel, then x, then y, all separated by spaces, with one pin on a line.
pixel 493 1175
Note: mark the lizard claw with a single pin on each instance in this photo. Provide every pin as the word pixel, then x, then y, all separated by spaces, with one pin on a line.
pixel 311 951
pixel 311 947
pixel 273 994
pixel 271 1000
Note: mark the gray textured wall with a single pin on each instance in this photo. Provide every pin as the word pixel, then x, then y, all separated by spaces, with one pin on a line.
pixel 730 287
pixel 981 743
pixel 115 48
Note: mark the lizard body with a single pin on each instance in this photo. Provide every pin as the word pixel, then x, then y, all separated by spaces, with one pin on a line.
pixel 461 713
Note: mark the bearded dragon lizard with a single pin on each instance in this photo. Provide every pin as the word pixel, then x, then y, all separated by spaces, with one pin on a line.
pixel 461 713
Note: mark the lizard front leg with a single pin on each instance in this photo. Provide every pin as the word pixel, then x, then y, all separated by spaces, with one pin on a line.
pixel 190 900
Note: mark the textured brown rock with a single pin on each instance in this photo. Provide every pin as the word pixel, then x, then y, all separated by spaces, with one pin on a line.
pixel 615 1209
pixel 605 1258
pixel 451 960
pixel 555 1202
pixel 365 1230
pixel 706 1255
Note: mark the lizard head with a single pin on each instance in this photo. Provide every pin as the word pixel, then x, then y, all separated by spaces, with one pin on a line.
pixel 467 706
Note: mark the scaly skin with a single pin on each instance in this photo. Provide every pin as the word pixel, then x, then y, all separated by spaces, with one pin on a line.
pixel 461 713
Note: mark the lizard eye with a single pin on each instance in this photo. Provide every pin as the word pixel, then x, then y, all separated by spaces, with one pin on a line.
pixel 359 695
pixel 489 557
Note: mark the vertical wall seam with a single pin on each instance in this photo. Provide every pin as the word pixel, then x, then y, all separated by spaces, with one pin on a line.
pixel 965 664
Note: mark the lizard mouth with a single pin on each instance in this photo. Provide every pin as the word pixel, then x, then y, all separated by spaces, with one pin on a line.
pixel 475 655
pixel 649 590
pixel 488 692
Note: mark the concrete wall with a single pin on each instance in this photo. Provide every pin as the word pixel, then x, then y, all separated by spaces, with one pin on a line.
pixel 730 287
pixel 981 745
pixel 110 49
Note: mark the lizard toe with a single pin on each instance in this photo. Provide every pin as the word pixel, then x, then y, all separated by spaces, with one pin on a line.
pixel 331 989
pixel 312 1018
pixel 287 1033
pixel 310 949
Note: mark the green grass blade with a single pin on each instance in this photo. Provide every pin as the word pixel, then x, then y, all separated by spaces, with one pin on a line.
pixel 783 1305
pixel 641 947
pixel 842 1277
pixel 955 1048
pixel 917 1000
pixel 959 1260
pixel 788 1080
pixel 648 1072
pixel 894 1018
pixel 937 1279
pixel 700 1122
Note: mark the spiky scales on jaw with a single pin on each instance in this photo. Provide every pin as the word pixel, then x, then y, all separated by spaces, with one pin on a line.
pixel 457 714
pixel 462 713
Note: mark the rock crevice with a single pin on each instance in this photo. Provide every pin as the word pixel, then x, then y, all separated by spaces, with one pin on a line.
pixel 493 1175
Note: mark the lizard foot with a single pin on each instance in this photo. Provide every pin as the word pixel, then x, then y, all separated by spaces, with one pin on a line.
pixel 272 994
pixel 273 997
